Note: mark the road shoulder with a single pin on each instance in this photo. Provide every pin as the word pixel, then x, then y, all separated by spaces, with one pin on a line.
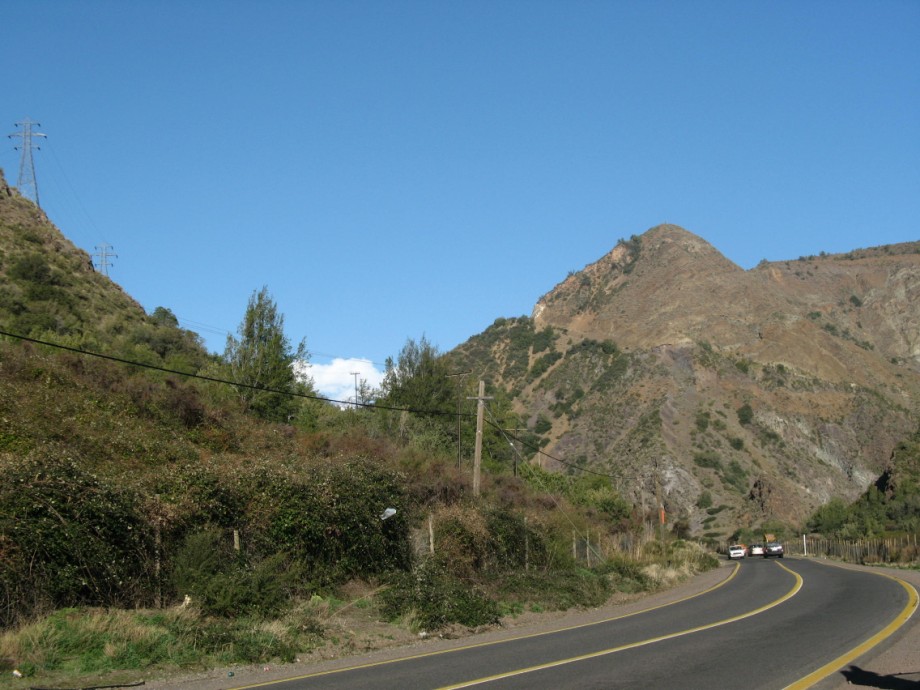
pixel 510 628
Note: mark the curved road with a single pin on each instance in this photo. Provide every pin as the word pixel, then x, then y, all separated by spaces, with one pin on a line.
pixel 769 625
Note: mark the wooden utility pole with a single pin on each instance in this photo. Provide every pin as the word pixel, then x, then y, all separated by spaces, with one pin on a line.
pixel 477 458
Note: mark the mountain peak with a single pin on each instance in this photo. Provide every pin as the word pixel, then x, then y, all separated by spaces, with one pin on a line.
pixel 653 289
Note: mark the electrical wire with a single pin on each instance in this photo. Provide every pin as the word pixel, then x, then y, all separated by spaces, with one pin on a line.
pixel 192 325
pixel 373 406
pixel 539 480
pixel 540 451
pixel 213 379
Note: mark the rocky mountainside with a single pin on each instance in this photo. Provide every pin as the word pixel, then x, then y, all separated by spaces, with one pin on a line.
pixel 731 397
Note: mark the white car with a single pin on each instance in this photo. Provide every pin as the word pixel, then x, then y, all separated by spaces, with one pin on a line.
pixel 736 551
pixel 755 550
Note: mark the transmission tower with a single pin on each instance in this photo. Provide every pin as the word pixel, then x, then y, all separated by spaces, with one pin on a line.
pixel 103 253
pixel 27 181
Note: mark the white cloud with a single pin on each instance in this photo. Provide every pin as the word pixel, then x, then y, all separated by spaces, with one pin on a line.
pixel 336 379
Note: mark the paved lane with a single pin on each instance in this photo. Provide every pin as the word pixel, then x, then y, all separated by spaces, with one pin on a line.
pixel 789 617
pixel 834 612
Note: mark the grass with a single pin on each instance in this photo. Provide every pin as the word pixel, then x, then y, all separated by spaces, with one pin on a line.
pixel 103 646
pixel 115 645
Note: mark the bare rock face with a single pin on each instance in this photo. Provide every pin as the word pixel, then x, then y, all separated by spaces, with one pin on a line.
pixel 673 370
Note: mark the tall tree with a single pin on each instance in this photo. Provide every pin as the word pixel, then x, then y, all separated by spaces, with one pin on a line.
pixel 417 379
pixel 262 361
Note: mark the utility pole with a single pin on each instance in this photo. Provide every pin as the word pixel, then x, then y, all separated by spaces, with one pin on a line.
pixel 477 458
pixel 104 254
pixel 355 374
pixel 26 163
pixel 459 376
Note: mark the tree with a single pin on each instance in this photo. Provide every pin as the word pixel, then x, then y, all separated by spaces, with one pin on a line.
pixel 418 379
pixel 262 361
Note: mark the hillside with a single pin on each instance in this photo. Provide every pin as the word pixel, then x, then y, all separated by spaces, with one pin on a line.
pixel 136 473
pixel 49 287
pixel 736 396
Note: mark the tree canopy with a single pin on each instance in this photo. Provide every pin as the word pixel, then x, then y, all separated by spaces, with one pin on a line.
pixel 418 379
pixel 262 361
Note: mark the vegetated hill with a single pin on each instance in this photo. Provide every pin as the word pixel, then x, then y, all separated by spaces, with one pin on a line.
pixel 48 287
pixel 736 396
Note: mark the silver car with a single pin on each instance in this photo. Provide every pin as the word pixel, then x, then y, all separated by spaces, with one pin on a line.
pixel 773 548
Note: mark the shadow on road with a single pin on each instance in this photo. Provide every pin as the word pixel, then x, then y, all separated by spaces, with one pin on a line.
pixel 858 676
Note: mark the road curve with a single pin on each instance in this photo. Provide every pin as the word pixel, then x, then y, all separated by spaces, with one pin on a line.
pixel 770 625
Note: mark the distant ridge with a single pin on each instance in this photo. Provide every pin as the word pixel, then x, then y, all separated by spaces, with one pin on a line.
pixel 638 365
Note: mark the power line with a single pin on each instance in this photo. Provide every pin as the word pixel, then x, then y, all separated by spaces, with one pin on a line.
pixel 539 450
pixel 214 379
pixel 372 406
pixel 27 179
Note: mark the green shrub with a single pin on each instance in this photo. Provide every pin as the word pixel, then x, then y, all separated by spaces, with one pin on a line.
pixel 329 520
pixel 745 414
pixel 221 583
pixel 543 425
pixel 543 364
pixel 543 340
pixel 433 598
pixel 32 268
pixel 560 589
pixel 702 420
pixel 704 501
pixel 68 538
pixel 709 459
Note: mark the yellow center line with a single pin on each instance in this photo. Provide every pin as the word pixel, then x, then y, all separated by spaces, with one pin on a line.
pixel 847 657
pixel 561 662
pixel 737 567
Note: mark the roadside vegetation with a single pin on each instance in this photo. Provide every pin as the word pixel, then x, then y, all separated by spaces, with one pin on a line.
pixel 152 522
pixel 882 525
pixel 167 509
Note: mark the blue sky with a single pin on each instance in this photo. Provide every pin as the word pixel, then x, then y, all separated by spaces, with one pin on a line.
pixel 396 169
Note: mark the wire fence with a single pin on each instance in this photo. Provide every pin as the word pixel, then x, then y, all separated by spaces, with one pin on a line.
pixel 902 549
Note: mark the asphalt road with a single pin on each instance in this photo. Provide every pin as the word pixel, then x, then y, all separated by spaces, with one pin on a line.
pixel 768 626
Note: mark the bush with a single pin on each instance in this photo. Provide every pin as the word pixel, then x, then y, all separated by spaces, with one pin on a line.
pixel 626 575
pixel 745 414
pixel 68 539
pixel 709 459
pixel 329 520
pixel 433 598
pixel 221 583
